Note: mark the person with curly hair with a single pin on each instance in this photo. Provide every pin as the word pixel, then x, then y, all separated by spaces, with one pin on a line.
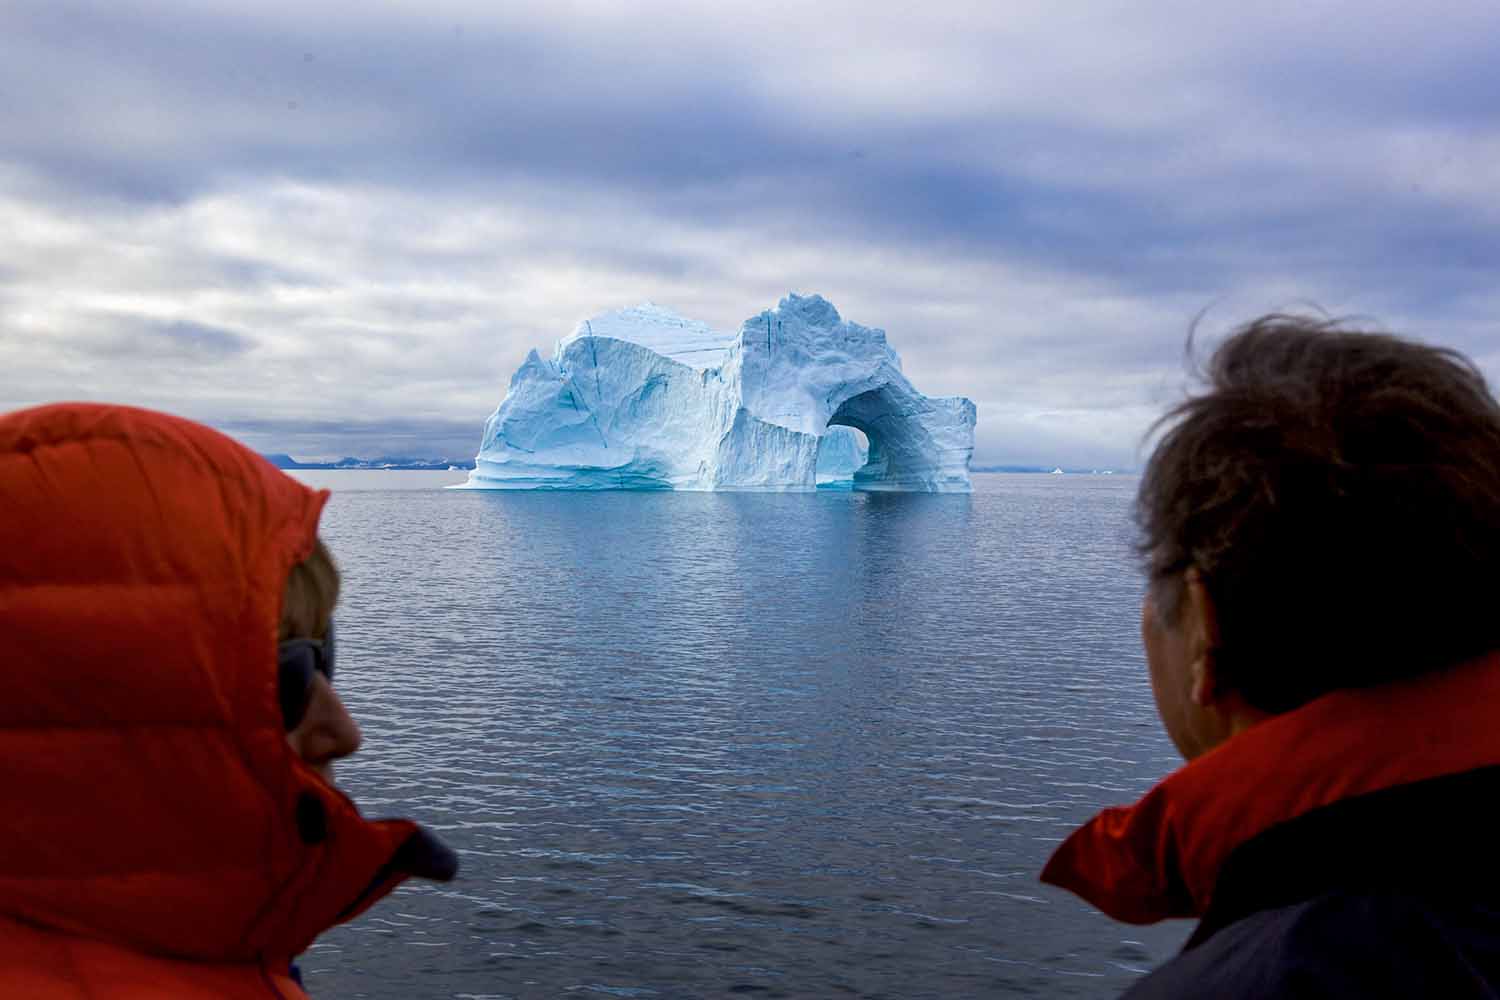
pixel 1320 529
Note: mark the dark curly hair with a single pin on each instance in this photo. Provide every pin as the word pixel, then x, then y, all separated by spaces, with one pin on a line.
pixel 1339 493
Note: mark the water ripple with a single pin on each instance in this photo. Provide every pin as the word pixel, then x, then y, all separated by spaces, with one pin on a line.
pixel 710 744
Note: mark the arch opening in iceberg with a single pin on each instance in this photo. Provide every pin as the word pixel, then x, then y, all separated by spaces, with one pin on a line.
pixel 913 444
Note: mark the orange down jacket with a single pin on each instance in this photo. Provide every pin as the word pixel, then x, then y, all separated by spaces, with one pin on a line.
pixel 158 836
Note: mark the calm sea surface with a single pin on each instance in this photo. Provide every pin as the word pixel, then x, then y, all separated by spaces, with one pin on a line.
pixel 703 745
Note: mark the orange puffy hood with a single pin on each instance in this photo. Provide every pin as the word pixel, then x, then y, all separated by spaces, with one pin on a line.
pixel 150 797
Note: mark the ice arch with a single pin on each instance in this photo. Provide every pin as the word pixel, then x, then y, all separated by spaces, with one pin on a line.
pixel 804 367
pixel 915 443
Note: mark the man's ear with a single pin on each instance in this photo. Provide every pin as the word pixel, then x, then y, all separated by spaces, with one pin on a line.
pixel 1200 623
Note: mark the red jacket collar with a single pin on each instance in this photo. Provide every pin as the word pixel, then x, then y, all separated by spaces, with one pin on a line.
pixel 1161 857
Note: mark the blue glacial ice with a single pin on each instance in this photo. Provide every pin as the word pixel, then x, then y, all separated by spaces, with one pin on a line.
pixel 645 399
pixel 842 452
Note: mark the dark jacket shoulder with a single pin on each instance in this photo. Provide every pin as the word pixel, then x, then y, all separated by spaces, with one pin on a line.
pixel 1342 944
pixel 1395 893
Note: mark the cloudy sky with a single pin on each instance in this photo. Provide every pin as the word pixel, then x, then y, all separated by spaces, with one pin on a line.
pixel 336 228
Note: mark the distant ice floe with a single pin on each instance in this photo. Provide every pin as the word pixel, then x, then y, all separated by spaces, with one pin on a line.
pixel 645 399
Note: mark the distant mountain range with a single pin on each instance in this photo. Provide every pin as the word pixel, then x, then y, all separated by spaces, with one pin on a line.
pixel 383 462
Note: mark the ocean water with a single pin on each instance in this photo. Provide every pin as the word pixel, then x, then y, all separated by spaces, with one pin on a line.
pixel 706 745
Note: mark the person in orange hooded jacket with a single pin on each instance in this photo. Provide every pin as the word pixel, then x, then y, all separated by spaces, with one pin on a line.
pixel 167 718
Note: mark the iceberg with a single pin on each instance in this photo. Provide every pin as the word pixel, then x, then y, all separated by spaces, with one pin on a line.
pixel 643 398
